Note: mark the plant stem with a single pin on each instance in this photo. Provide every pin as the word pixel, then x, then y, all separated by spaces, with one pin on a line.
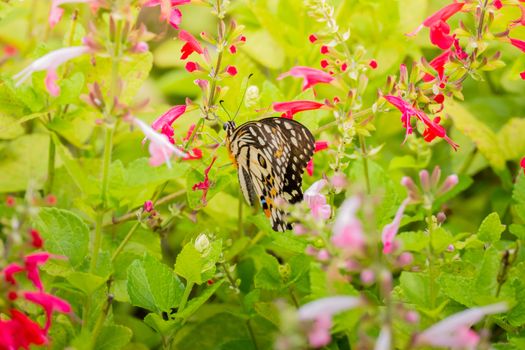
pixel 106 161
pixel 125 241
pixel 185 295
pixel 50 166
pixel 365 162
pixel 97 242
pixel 100 321
pixel 431 262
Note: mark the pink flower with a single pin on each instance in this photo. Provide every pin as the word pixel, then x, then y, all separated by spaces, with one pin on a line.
pixel 165 121
pixel 289 109
pixel 454 331
pixel 320 312
pixel 191 45
pixel 50 63
pixel 204 186
pixel 56 12
pixel 390 230
pixel 497 4
pixel 168 11
pixel 522 164
pixel 49 303
pixel 520 44
pixel 231 70
pixel 317 201
pixel 10 270
pixel 347 232
pixel 32 261
pixel 160 148
pixel 311 76
pixel 432 128
pixel 439 29
pixel 140 47
pixel 148 206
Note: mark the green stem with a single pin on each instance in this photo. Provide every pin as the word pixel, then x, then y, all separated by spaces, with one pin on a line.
pixel 97 242
pixel 365 162
pixel 108 146
pixel 125 241
pixel 100 321
pixel 185 296
pixel 431 262
pixel 50 166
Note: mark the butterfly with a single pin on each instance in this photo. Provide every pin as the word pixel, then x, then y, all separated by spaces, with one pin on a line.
pixel 270 155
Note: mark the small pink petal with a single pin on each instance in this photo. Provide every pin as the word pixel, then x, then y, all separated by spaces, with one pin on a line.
pixel 51 83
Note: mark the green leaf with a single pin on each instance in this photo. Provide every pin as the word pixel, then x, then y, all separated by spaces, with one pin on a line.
pixel 113 337
pixel 153 285
pixel 189 264
pixel 268 277
pixel 64 233
pixel 518 231
pixel 86 282
pixel 487 277
pixel 484 138
pixel 510 139
pixel 413 241
pixel 23 163
pixel 516 316
pixel 415 287
pixel 70 90
pixel 269 311
pixel 195 303
pixel 159 324
pixel 441 239
pixel 518 194
pixel 457 282
pixel 491 228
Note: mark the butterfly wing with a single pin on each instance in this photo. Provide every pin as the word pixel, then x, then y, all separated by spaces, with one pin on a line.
pixel 271 155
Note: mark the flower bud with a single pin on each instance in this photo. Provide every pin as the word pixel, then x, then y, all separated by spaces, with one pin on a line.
pixel 252 96
pixel 424 177
pixel 202 243
pixel 450 182
pixel 367 277
pixel 148 206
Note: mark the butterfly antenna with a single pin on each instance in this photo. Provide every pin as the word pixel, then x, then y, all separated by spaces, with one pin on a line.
pixel 225 110
pixel 242 98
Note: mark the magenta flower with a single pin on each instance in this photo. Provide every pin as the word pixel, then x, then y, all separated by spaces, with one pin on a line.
pixel 289 109
pixel 319 146
pixel 454 331
pixel 231 70
pixel 439 28
pixel 165 121
pixel 33 261
pixel 311 76
pixel 408 111
pixel 49 303
pixel 148 206
pixel 522 164
pixel 160 148
pixel 20 332
pixel 10 270
pixel 191 45
pixel 347 232
pixel 168 10
pixel 320 312
pixel 317 201
pixel 390 230
pixel 50 63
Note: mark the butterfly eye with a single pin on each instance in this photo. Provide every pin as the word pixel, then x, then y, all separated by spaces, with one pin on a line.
pixel 225 126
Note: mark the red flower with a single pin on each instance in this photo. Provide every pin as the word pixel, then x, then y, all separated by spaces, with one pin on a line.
pixel 520 44
pixel 10 201
pixel 189 132
pixel 36 240
pixel 191 45
pixel 148 206
pixel 439 29
pixel 439 98
pixel 192 66
pixel 522 164
pixel 164 122
pixel 20 332
pixel 311 76
pixel 373 64
pixel 49 303
pixel 438 64
pixel 9 272
pixel 522 75
pixel 292 107
pixel 432 130
pixel 32 261
pixel 242 39
pixel 233 49
pixel 51 199
pixel 204 186
pixel 324 63
pixel 231 70
pixel 344 66
pixel 194 154
pixel 319 146
pixel 497 4
pixel 312 38
pixel 168 11
pixel 324 49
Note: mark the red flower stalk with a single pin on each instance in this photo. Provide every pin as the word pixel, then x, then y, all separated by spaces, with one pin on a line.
pixel 292 107
pixel 204 186
pixel 432 130
pixel 439 28
pixel 191 45
pixel 311 76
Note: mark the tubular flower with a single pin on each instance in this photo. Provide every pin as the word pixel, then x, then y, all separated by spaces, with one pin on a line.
pixel 50 63
pixel 204 186
pixel 438 64
pixel 319 146
pixel 32 261
pixel 289 109
pixel 347 232
pixel 165 121
pixel 168 10
pixel 522 164
pixel 311 76
pixel 317 201
pixel 432 129
pixel 439 28
pixel 49 303
pixel 454 331
pixel 9 272
pixel 160 148
pixel 390 230
pixel 191 45
pixel 20 332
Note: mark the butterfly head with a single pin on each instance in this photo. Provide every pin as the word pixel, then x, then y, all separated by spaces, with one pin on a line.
pixel 229 127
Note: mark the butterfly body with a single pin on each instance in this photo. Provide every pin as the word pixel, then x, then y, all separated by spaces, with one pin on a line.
pixel 270 155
